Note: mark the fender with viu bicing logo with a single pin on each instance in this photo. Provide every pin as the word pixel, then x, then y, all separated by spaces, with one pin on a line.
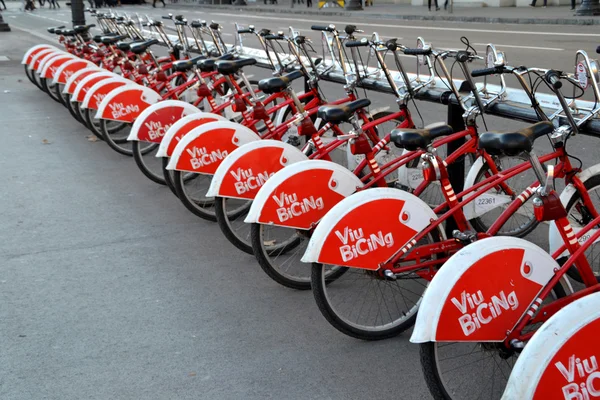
pixel 246 169
pixel 181 128
pixel 561 359
pixel 205 147
pixel 300 195
pixel 152 124
pixel 483 290
pixel 367 228
pixel 126 103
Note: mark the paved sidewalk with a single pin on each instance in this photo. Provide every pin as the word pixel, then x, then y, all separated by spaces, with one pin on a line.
pixel 554 15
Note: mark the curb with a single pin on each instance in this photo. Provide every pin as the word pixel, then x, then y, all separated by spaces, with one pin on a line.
pixel 445 18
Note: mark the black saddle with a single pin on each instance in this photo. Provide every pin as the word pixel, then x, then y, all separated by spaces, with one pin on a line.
pixel 186 65
pixel 414 139
pixel 278 83
pixel 208 64
pixel 139 48
pixel 52 30
pixel 65 32
pixel 513 143
pixel 112 39
pixel 125 46
pixel 233 66
pixel 342 113
pixel 82 28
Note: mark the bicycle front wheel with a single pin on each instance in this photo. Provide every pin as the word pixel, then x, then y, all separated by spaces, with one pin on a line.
pixel 191 190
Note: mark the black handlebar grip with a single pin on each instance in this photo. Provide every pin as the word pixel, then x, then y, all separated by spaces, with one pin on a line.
pixel 214 26
pixel 554 79
pixel 321 28
pixel 244 30
pixel 356 43
pixel 350 29
pixel 273 37
pixel 300 39
pixel 417 52
pixel 166 17
pixel 598 49
pixel 485 71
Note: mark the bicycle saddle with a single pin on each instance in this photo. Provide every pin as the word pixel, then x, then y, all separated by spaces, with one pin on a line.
pixel 83 28
pixel 125 46
pixel 278 83
pixel 208 65
pixel 233 66
pixel 186 65
pixel 414 139
pixel 139 48
pixel 341 113
pixel 513 143
pixel 112 39
pixel 65 32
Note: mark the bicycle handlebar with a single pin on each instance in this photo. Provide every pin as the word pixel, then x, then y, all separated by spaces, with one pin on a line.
pixel 418 52
pixel 487 71
pixel 329 28
pixel 357 43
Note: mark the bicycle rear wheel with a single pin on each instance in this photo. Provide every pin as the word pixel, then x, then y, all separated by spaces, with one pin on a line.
pixel 144 155
pixel 191 190
pixel 365 305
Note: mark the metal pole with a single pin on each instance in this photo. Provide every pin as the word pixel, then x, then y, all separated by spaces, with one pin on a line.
pixel 456 170
pixel 3 25
pixel 77 12
pixel 589 7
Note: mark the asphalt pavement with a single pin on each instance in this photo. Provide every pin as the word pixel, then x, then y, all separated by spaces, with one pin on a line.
pixel 111 289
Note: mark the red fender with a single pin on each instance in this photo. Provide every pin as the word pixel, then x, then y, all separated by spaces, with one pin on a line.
pixel 52 65
pixel 86 83
pixel 96 89
pixel 152 124
pixel 77 77
pixel 32 52
pixel 126 103
pixel 204 148
pixel 246 169
pixel 37 58
pixel 181 128
pixel 483 290
pixel 300 195
pixel 367 228
pixel 561 361
pixel 66 70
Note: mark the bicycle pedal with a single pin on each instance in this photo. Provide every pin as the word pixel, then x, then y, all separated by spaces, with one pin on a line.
pixel 465 237
pixel 517 345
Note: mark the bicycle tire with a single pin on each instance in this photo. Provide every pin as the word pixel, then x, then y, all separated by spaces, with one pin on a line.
pixel 225 219
pixel 405 320
pixel 49 89
pixel 590 184
pixel 29 73
pixel 58 88
pixel 91 123
pixel 203 208
pixel 136 149
pixel 168 176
